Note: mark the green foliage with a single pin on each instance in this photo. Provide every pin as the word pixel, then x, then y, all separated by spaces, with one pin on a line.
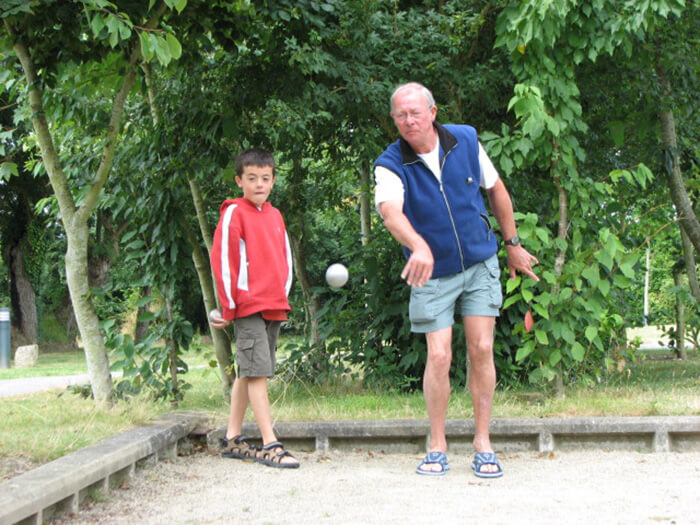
pixel 5 280
pixel 146 364
pixel 560 92
pixel 577 303
pixel 365 324
pixel 52 330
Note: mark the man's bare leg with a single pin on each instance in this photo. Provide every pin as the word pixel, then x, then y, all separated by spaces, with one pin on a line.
pixel 482 379
pixel 436 388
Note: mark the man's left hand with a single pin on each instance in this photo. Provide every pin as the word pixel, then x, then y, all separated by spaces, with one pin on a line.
pixel 519 259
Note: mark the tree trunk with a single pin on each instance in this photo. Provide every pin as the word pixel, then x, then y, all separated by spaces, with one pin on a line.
pixel 172 356
pixel 75 219
pixel 684 207
pixel 647 272
pixel 141 329
pixel 365 203
pixel 559 262
pixel 680 317
pixel 689 258
pixel 222 344
pixel 107 238
pixel 312 305
pixel 75 222
pixel 77 235
pixel 22 296
pixel 297 227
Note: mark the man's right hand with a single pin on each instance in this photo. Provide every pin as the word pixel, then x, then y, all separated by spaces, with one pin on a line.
pixel 419 267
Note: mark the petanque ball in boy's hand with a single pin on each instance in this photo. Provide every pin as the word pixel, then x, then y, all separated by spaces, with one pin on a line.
pixel 215 313
pixel 336 275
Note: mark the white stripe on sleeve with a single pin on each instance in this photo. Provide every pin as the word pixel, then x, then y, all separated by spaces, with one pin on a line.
pixel 288 285
pixel 225 269
pixel 243 267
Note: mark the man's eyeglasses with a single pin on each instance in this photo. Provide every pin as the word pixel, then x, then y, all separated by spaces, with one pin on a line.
pixel 404 116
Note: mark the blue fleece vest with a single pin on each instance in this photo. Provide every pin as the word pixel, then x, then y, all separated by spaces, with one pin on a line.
pixel 450 216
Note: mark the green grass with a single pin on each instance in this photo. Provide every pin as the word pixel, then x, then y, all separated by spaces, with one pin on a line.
pixel 41 427
pixel 63 363
pixel 50 364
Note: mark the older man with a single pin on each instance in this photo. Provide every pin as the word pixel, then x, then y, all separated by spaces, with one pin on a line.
pixel 428 193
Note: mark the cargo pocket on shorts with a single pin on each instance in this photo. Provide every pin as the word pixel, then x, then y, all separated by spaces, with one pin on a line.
pixel 421 308
pixel 245 354
pixel 494 276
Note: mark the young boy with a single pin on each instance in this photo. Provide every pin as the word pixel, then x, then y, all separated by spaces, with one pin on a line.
pixel 252 264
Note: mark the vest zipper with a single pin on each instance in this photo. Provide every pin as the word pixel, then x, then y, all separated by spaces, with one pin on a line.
pixel 449 212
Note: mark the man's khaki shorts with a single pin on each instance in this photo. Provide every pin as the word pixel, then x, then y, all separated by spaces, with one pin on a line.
pixel 256 345
pixel 473 292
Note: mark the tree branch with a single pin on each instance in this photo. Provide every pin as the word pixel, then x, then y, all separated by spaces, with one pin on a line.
pixel 107 160
pixel 52 162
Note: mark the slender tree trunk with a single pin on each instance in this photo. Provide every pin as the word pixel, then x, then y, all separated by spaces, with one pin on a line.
pixel 684 207
pixel 172 356
pixel 141 329
pixel 689 258
pixel 680 317
pixel 75 219
pixel 106 238
pixel 647 272
pixel 200 210
pixel 297 227
pixel 559 262
pixel 365 203
pixel 76 228
pixel 312 305
pixel 222 344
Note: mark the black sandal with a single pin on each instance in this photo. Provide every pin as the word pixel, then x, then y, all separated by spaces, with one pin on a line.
pixel 267 456
pixel 238 448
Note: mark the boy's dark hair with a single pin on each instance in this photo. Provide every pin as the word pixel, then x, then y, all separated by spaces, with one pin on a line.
pixel 254 157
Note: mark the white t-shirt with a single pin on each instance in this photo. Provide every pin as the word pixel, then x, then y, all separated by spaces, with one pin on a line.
pixel 388 185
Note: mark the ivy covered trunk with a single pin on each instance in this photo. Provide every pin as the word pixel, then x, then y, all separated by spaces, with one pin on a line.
pixel 684 207
pixel 22 295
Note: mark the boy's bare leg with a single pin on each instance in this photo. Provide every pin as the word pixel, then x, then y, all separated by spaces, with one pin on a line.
pixel 436 388
pixel 257 393
pixel 239 404
pixel 260 402
pixel 482 379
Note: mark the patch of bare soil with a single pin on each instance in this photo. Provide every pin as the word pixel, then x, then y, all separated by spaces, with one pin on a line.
pixel 14 466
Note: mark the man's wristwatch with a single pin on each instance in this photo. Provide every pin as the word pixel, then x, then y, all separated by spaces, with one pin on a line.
pixel 513 241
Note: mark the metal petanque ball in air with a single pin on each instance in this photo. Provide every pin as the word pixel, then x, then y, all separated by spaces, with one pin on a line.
pixel 336 275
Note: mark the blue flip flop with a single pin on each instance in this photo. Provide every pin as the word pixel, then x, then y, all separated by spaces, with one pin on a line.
pixel 434 457
pixel 486 458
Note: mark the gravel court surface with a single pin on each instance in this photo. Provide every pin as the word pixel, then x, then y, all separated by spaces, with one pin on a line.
pixel 374 488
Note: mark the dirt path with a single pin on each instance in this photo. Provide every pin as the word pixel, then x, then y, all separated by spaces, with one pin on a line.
pixel 571 488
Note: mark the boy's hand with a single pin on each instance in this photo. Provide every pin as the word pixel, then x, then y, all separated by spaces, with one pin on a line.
pixel 217 321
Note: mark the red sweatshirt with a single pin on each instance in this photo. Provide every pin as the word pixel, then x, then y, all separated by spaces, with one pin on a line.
pixel 252 261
